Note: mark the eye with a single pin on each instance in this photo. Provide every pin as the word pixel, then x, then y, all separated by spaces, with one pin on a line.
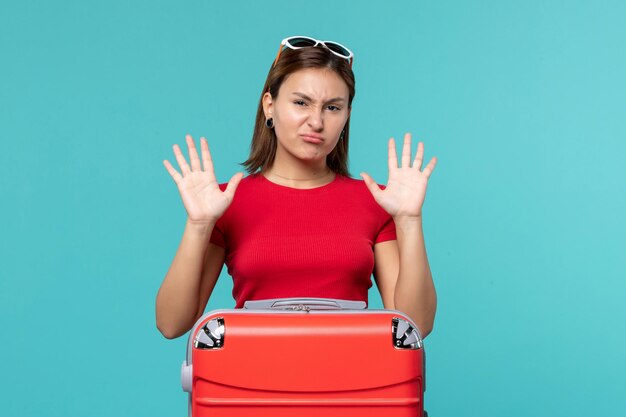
pixel 299 102
pixel 333 108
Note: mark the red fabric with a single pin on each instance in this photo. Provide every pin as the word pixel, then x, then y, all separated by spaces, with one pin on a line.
pixel 286 242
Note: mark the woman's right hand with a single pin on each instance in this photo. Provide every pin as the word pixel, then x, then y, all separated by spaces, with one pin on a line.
pixel 204 201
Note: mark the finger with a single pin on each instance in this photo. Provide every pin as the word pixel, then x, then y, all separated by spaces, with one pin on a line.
pixel 175 175
pixel 372 186
pixel 406 151
pixel 430 167
pixel 182 163
pixel 207 160
pixel 231 187
pixel 193 154
pixel 419 156
pixel 392 159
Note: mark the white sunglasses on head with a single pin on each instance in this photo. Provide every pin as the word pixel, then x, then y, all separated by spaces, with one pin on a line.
pixel 298 42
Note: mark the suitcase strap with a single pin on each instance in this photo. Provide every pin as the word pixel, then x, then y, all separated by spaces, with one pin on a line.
pixel 304 304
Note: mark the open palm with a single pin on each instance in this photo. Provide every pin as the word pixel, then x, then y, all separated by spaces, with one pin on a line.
pixel 202 197
pixel 406 188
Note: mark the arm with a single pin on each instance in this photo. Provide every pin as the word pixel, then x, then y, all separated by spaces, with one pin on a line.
pixel 189 281
pixel 197 264
pixel 403 275
pixel 401 267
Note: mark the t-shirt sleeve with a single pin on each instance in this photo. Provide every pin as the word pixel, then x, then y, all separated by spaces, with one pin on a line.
pixel 387 231
pixel 217 236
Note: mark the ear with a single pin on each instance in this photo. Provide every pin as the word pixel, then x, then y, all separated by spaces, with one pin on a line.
pixel 267 104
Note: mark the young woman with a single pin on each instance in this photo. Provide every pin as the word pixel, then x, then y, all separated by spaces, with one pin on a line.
pixel 298 225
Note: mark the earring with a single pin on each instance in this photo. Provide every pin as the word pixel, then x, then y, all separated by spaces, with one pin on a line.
pixel 269 123
pixel 343 132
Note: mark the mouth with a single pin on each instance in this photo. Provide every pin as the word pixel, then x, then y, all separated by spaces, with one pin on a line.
pixel 312 138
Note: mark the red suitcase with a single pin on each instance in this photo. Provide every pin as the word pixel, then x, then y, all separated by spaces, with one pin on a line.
pixel 304 357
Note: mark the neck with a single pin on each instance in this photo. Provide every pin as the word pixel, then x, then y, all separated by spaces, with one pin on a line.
pixel 298 179
pixel 291 171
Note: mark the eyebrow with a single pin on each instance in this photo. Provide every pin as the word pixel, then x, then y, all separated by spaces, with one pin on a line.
pixel 332 100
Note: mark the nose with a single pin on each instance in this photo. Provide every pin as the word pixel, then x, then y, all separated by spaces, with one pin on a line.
pixel 316 122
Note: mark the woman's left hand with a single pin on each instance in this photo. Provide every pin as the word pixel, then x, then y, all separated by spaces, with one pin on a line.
pixel 405 192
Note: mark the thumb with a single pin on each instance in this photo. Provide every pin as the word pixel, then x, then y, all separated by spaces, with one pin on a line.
pixel 372 186
pixel 231 187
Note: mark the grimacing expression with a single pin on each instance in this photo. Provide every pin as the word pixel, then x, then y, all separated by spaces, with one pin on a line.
pixel 309 113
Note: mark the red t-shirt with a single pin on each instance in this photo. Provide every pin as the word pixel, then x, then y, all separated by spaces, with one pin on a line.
pixel 287 242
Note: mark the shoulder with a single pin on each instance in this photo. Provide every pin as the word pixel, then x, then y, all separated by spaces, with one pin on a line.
pixel 246 200
pixel 245 183
pixel 355 185
pixel 357 182
pixel 356 190
pixel 349 182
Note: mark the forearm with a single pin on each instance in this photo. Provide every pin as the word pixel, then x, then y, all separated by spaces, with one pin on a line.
pixel 415 291
pixel 178 298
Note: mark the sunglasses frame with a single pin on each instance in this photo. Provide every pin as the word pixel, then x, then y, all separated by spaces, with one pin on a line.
pixel 285 42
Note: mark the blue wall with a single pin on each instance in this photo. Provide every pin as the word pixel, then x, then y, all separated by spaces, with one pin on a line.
pixel 522 102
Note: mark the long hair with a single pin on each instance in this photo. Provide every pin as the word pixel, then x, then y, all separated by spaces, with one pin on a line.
pixel 263 146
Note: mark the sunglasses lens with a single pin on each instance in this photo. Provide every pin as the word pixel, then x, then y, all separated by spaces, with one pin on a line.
pixel 335 47
pixel 301 42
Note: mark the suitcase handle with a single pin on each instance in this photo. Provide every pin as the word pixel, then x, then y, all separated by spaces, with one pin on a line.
pixel 304 304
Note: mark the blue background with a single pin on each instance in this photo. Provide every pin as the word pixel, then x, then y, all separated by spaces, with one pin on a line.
pixel 522 102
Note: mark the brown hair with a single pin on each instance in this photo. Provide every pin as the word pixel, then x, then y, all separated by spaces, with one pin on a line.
pixel 263 146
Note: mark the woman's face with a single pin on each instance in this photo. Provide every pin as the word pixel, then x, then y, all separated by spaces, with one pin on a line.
pixel 309 114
